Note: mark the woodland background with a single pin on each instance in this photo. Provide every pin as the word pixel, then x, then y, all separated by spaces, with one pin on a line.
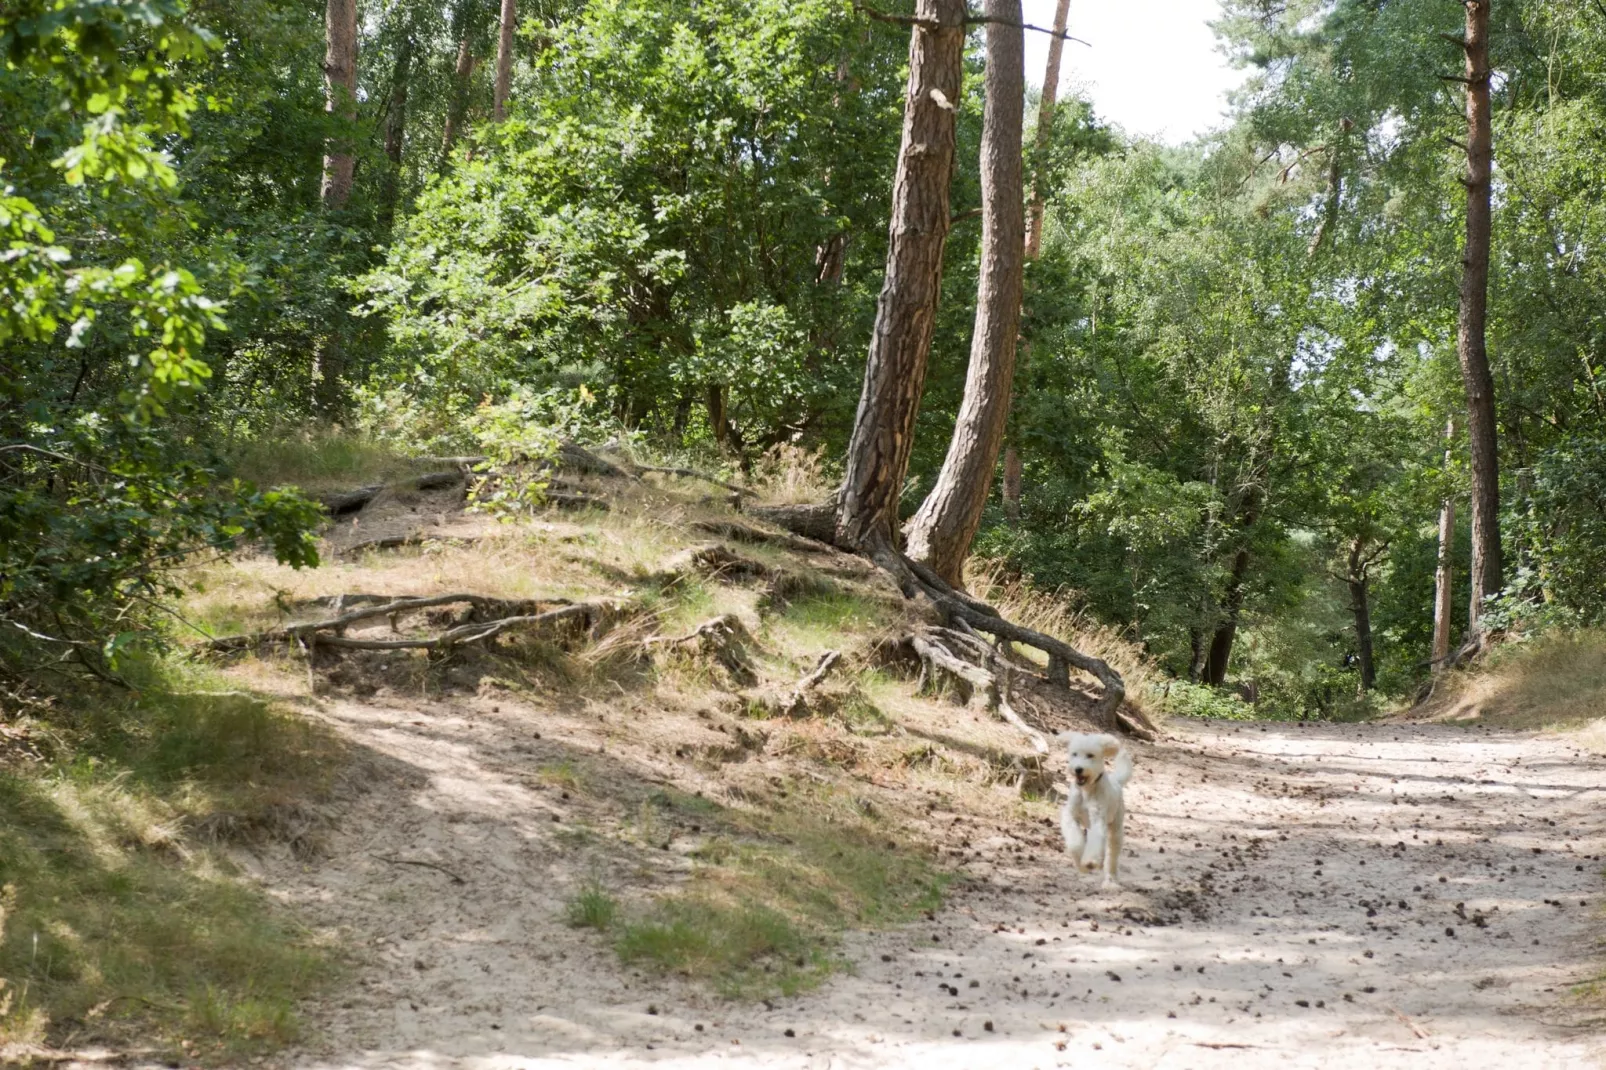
pixel 248 235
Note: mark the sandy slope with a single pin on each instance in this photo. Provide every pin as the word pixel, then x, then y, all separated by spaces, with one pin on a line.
pixel 1345 896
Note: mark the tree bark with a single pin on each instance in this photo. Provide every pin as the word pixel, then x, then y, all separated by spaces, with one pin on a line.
pixel 1487 565
pixel 396 125
pixel 895 373
pixel 458 107
pixel 504 60
pixel 942 530
pixel 1219 656
pixel 340 98
pixel 1045 127
pixel 1359 584
pixel 1012 479
pixel 1444 577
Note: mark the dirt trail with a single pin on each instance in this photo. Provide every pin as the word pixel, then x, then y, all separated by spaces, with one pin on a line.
pixel 1295 896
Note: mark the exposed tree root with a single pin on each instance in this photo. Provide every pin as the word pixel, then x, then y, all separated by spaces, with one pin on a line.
pixel 814 521
pixel 722 640
pixel 738 532
pixel 956 647
pixel 485 619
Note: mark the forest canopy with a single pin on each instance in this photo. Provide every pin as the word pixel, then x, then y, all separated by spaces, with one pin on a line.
pixel 1242 419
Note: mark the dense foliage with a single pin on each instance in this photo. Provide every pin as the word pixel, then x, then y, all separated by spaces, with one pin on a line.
pixel 1238 357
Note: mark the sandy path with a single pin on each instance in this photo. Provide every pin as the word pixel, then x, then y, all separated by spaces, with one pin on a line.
pixel 1323 896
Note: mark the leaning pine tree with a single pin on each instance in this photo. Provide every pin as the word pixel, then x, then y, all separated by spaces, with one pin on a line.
pixel 941 532
pixel 865 513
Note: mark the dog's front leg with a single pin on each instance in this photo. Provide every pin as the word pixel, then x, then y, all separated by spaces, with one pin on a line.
pixel 1112 856
pixel 1093 852
pixel 1072 830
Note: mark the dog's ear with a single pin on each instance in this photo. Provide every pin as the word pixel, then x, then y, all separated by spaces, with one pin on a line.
pixel 1112 747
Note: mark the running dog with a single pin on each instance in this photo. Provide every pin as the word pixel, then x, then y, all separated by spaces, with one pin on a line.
pixel 1094 817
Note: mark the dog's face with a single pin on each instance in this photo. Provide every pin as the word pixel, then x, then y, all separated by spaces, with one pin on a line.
pixel 1088 755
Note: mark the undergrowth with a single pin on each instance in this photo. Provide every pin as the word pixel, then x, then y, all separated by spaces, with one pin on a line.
pixel 121 919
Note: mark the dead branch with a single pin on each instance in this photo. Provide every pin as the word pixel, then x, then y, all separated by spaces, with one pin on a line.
pixel 499 611
pixel 724 638
pixel 796 702
pixel 692 473
pixel 339 503
pixel 395 861
pixel 412 538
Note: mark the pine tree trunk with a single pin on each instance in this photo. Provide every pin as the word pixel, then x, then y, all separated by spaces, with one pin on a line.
pixel 1470 335
pixel 340 98
pixel 942 530
pixel 504 60
pixel 396 126
pixel 895 374
pixel 1012 479
pixel 1220 655
pixel 1444 577
pixel 1045 128
pixel 457 109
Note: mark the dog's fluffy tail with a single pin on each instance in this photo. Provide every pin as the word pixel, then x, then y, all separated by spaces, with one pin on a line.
pixel 1120 768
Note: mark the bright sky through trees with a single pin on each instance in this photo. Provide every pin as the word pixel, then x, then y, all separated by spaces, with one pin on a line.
pixel 1153 68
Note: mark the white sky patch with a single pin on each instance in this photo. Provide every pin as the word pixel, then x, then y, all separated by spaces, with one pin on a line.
pixel 1154 67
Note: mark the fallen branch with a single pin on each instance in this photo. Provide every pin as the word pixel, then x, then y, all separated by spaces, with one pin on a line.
pixel 412 538
pixel 798 700
pixel 723 637
pixel 339 503
pixel 395 608
pixel 692 473
pixel 393 860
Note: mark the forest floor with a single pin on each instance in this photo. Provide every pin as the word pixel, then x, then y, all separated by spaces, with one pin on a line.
pixel 1294 894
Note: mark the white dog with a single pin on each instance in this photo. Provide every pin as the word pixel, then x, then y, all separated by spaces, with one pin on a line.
pixel 1094 816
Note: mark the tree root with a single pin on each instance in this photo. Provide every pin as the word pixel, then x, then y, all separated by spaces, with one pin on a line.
pixel 738 532
pixel 486 618
pixel 971 659
pixel 412 538
pixel 722 639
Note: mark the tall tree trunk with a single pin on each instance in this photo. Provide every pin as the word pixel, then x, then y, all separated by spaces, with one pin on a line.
pixel 1219 656
pixel 1034 226
pixel 458 106
pixel 945 525
pixel 1361 606
pixel 1470 335
pixel 895 373
pixel 1012 478
pixel 340 98
pixel 396 126
pixel 1045 127
pixel 1444 577
pixel 716 414
pixel 504 60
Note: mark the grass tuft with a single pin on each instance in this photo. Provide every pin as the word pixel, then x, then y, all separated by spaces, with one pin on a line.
pixel 592 908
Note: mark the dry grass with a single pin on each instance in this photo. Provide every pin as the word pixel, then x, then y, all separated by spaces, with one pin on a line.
pixel 1555 681
pixel 120 916
pixel 319 459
